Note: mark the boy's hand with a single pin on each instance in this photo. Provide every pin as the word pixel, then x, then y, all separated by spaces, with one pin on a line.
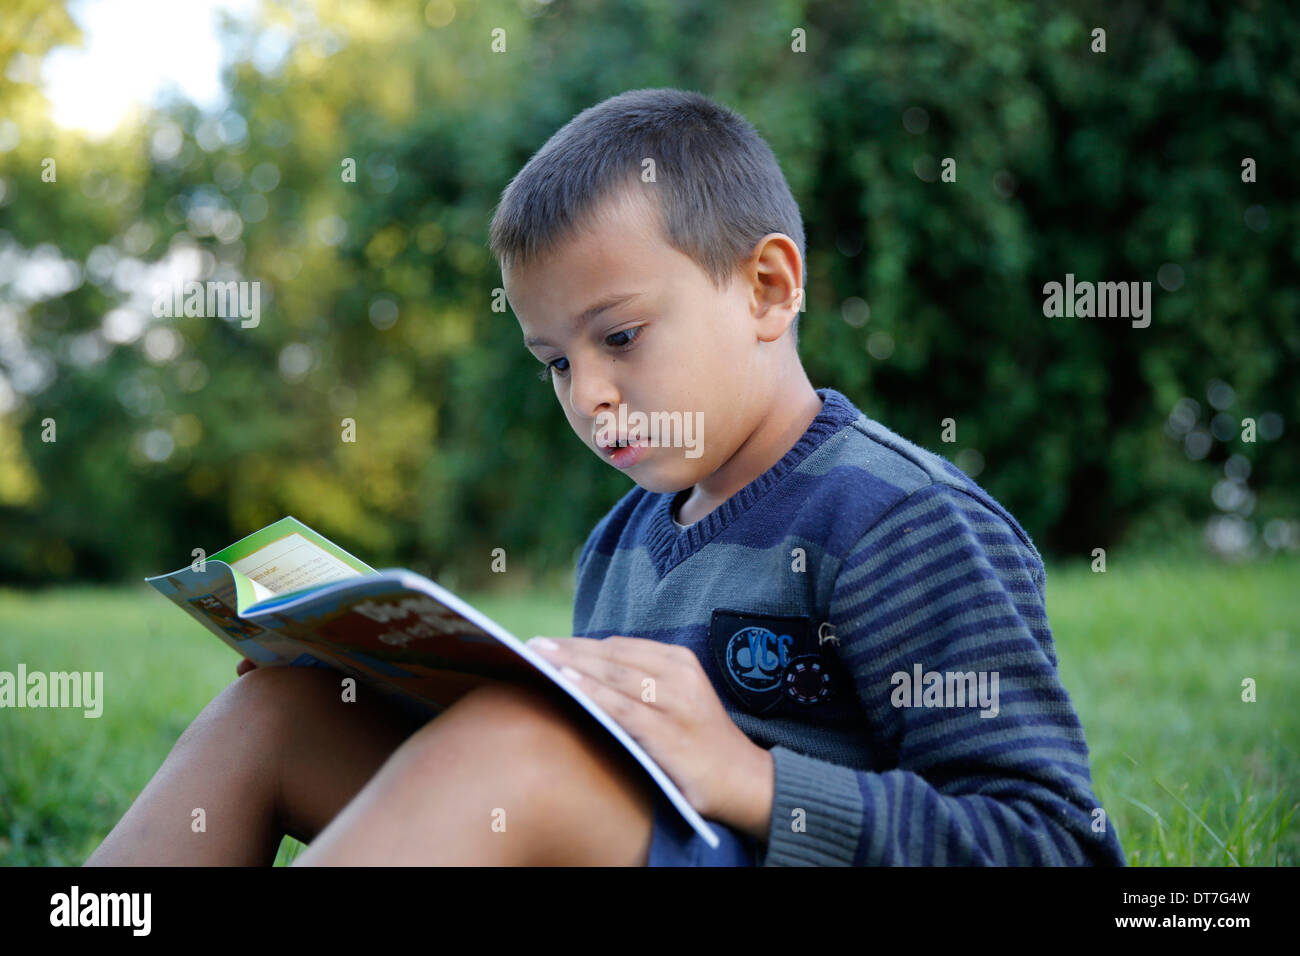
pixel 661 696
pixel 243 667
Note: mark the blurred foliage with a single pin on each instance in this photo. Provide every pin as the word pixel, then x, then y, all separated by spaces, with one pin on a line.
pixel 178 433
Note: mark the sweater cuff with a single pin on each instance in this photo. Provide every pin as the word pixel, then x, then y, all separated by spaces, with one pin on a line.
pixel 817 812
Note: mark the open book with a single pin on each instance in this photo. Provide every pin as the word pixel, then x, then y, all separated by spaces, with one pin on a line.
pixel 287 596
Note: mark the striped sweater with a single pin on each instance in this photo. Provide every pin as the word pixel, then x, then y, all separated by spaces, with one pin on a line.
pixel 875 620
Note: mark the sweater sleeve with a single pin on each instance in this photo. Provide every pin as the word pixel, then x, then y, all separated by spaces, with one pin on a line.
pixel 941 583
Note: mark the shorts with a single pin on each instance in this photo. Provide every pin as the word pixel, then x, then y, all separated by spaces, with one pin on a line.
pixel 674 843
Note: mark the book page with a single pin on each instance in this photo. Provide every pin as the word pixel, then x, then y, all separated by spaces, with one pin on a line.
pixel 289 563
pixel 260 591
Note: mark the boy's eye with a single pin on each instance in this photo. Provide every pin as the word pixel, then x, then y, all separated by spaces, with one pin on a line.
pixel 622 345
pixel 545 373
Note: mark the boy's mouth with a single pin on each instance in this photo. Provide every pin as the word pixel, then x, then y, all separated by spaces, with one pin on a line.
pixel 622 451
pixel 611 442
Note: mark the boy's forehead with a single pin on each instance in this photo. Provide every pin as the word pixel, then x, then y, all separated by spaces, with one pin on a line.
pixel 615 251
pixel 559 287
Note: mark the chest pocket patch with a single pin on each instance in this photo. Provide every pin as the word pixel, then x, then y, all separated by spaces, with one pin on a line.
pixel 774 664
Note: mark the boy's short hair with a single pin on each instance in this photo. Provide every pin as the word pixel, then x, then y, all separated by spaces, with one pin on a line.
pixel 719 187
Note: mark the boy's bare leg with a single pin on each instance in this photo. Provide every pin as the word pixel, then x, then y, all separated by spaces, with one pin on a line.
pixel 567 792
pixel 277 751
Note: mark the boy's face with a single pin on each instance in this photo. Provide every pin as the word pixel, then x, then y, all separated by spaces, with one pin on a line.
pixel 676 345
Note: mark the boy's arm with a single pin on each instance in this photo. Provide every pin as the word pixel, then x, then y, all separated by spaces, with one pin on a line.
pixel 942 582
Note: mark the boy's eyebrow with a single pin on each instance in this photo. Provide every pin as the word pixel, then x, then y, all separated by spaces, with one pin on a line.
pixel 590 313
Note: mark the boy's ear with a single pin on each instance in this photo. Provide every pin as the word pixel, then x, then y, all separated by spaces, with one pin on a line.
pixel 775 322
pixel 775 274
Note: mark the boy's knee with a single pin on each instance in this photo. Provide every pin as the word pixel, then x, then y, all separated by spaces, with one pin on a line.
pixel 539 733
pixel 507 712
pixel 279 686
pixel 265 700
pixel 567 769
pixel 522 726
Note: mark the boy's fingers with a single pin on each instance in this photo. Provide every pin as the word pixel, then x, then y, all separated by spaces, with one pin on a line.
pixel 653 657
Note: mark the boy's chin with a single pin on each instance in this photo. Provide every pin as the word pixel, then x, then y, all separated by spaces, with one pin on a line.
pixel 665 482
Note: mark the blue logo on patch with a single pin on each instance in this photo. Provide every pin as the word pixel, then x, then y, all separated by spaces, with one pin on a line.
pixel 757 658
pixel 772 663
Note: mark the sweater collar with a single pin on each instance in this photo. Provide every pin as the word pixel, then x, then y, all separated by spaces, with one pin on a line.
pixel 668 546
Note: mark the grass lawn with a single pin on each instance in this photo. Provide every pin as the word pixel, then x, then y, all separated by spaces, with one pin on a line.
pixel 1153 655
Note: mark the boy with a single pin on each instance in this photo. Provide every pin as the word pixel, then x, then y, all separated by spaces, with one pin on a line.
pixel 832 640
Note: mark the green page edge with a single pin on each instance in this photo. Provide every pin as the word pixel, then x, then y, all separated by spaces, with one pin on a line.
pixel 278 529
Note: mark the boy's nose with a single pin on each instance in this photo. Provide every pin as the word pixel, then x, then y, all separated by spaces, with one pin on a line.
pixel 591 398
